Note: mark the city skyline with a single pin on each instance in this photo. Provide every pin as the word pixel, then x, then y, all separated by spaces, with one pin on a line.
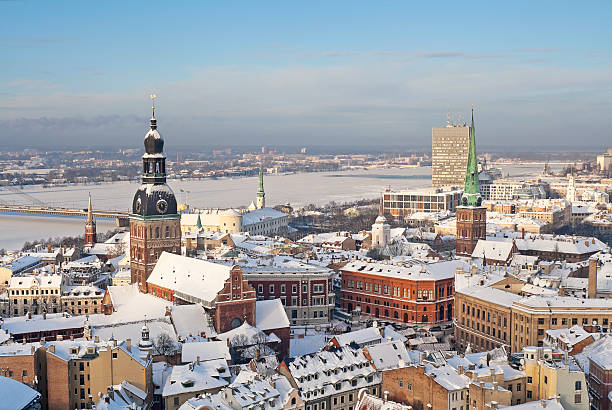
pixel 334 74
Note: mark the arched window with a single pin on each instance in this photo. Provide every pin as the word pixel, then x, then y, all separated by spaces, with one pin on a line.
pixel 424 319
pixel 157 231
pixel 167 231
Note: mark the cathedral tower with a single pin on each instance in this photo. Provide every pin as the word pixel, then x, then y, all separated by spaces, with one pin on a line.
pixel 155 225
pixel 90 226
pixel 471 215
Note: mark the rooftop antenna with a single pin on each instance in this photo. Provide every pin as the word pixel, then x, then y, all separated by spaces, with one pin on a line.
pixel 448 118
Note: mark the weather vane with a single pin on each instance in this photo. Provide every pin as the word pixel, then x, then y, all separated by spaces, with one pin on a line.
pixel 153 97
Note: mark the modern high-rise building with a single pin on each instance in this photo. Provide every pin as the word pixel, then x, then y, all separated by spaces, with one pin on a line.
pixel 471 215
pixel 449 155
pixel 155 225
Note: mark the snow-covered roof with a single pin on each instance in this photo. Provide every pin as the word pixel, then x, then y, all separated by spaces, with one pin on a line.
pixel 194 278
pixel 389 355
pixel 261 215
pixel 206 401
pixel 210 350
pixel 493 250
pixel 488 293
pixel 38 323
pixel 17 395
pixel 317 375
pixel 192 321
pixel 191 378
pixel 131 305
pixel 447 377
pixel 270 314
pixel 22 263
pixel 431 271
pixel 361 337
pixel 39 281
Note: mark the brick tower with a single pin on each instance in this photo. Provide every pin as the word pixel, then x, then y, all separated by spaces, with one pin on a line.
pixel 155 225
pixel 90 226
pixel 471 215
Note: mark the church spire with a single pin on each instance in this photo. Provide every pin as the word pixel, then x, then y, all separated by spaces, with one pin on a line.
pixel 89 211
pixel 471 190
pixel 261 195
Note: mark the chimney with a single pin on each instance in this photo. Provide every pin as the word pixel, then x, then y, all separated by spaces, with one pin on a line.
pixel 128 345
pixel 29 315
pixel 543 403
pixel 44 315
pixel 59 337
pixel 460 369
pixel 523 233
pixel 33 349
pixel 493 404
pixel 96 339
pixel 52 348
pixel 592 289
pixel 385 396
pixel 110 392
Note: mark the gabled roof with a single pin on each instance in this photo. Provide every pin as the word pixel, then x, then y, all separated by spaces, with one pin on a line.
pixel 196 278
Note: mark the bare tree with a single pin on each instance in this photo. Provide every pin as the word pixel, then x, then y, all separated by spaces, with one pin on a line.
pixel 164 345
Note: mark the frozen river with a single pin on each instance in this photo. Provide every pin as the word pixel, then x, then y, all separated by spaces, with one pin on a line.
pixel 296 189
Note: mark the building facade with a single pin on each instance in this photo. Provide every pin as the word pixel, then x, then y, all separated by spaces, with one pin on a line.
pixel 306 293
pixel 449 155
pixel 422 294
pixel 155 226
pixel 400 204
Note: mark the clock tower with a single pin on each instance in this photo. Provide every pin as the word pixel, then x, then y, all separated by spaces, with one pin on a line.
pixel 155 225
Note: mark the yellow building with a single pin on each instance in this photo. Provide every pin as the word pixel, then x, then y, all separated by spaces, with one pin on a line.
pixel 549 377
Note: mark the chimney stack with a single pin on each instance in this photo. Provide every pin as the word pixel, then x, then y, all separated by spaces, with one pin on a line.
pixel 592 287
pixel 128 345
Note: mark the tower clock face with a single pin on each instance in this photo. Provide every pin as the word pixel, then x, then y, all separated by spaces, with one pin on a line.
pixel 162 206
pixel 138 207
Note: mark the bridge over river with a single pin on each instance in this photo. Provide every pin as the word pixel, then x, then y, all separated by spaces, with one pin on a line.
pixel 121 218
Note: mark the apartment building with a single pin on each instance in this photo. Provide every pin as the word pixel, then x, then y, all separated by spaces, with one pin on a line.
pixel 449 155
pixel 35 294
pixel 400 204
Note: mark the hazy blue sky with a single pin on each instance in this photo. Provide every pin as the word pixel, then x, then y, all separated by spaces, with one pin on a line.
pixel 307 73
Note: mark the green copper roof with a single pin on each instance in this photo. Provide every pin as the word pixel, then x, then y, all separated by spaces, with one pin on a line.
pixel 260 191
pixel 471 190
pixel 199 222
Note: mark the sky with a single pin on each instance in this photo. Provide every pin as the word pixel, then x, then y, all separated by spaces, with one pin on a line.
pixel 315 73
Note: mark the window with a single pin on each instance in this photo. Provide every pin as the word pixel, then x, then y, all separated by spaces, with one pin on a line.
pixel 578 398
pixel 259 288
pixel 545 379
pixel 401 383
pixel 176 401
pixel 518 387
pixel 529 394
pixel 293 288
pixel 578 385
pixel 271 288
pixel 409 386
pixel 283 288
pixel 114 355
pixel 529 379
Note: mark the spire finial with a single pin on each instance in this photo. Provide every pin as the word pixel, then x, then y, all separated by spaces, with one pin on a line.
pixel 380 207
pixel 153 97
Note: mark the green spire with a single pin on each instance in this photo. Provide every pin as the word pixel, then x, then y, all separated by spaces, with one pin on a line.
pixel 471 191
pixel 199 222
pixel 260 191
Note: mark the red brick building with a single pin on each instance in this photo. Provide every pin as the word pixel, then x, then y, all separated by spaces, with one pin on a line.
pixel 600 380
pixel 306 291
pixel 422 294
pixel 235 302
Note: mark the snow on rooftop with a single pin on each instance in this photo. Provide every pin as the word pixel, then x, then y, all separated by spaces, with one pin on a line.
pixel 17 395
pixel 38 323
pixel 192 277
pixel 192 321
pixel 191 378
pixel 205 351
pixel 260 215
pixel 487 293
pixel 431 271
pixel 270 314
